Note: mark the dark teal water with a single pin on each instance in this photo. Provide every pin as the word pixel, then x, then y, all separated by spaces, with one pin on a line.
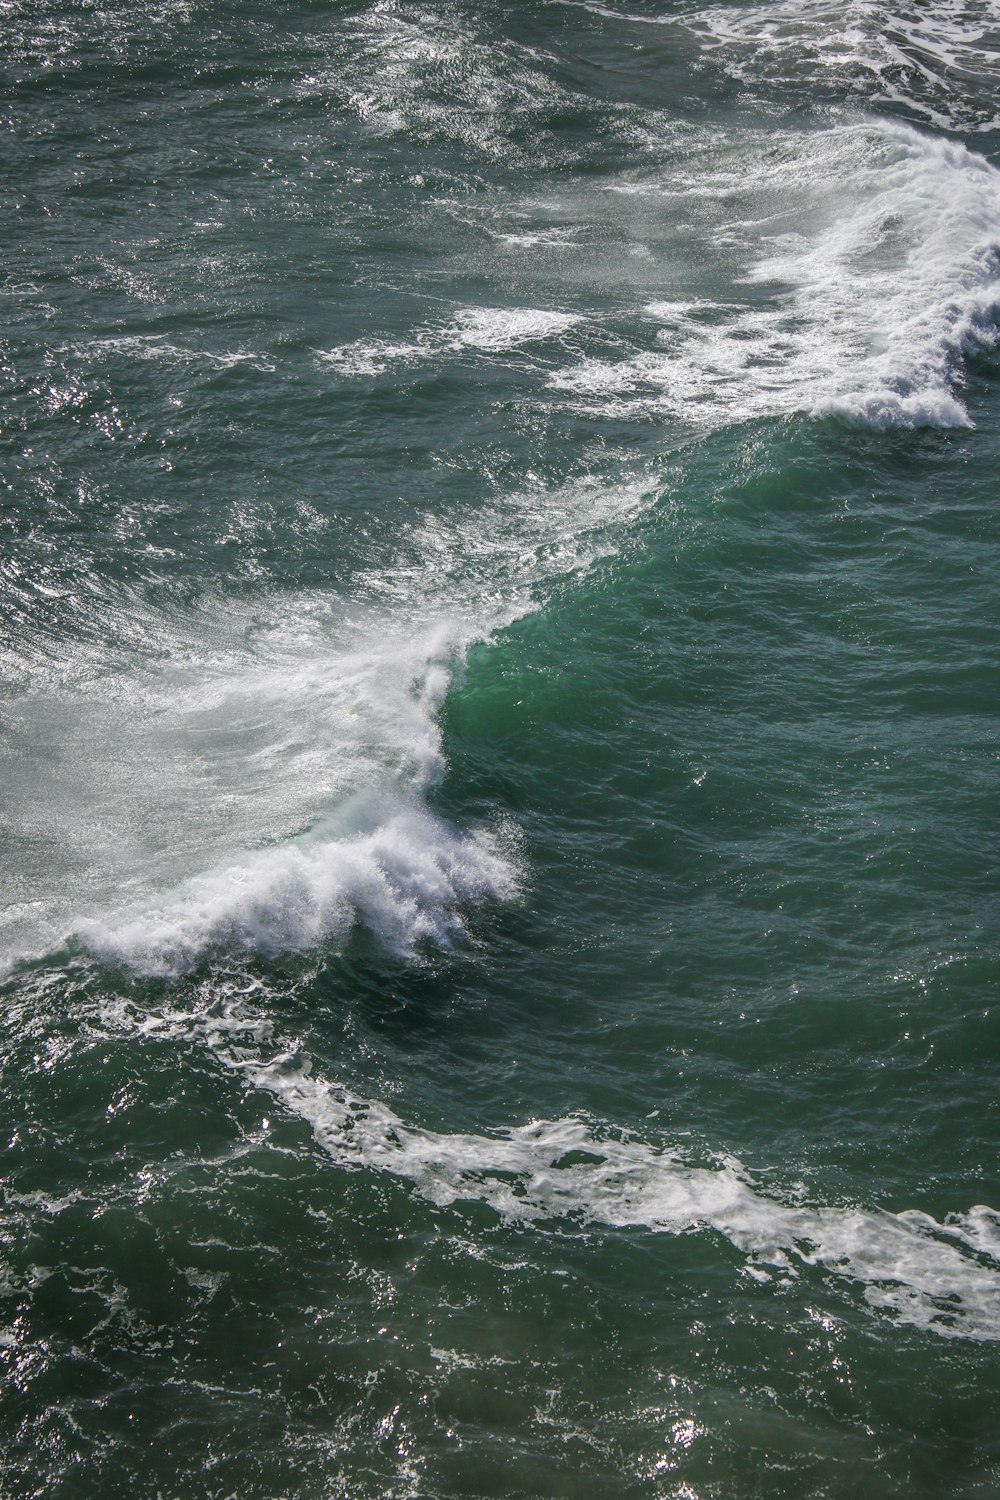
pixel 499 634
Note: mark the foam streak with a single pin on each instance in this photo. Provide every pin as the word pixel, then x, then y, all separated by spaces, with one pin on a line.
pixel 944 1277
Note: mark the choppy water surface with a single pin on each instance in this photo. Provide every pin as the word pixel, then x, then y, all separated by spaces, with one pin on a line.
pixel 499 637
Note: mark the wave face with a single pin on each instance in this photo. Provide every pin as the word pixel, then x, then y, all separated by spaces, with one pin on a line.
pixel 498 653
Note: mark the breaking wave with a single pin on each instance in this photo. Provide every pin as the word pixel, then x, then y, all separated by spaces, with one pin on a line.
pixel 262 781
pixel 408 881
pixel 873 266
pixel 861 267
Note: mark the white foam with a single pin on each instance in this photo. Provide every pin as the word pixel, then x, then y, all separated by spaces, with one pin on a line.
pixel 872 255
pixel 862 268
pixel 366 357
pixel 916 260
pixel 408 881
pixel 941 1276
pixel 940 63
pixel 495 329
pixel 554 238
pixel 261 792
pixel 488 330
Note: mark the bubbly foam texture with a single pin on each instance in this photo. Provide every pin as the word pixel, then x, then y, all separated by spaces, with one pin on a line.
pixel 497 329
pixel 873 260
pixel 919 258
pixel 944 1277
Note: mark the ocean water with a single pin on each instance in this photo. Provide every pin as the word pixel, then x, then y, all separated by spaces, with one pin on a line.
pixel 499 632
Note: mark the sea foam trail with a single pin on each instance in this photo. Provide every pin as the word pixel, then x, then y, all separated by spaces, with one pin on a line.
pixel 944 1277
pixel 872 252
pixel 909 1264
pixel 939 64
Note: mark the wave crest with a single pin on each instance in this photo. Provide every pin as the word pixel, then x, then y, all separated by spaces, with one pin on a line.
pixel 407 881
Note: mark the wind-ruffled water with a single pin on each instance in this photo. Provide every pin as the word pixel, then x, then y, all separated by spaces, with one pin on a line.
pixel 499 642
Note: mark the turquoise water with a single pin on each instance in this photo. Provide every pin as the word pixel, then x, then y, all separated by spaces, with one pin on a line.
pixel 499 634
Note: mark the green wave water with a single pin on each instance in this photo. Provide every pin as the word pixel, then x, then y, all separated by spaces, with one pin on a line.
pixel 498 627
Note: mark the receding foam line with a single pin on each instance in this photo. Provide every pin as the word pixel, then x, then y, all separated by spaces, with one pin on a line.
pixel 944 1277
